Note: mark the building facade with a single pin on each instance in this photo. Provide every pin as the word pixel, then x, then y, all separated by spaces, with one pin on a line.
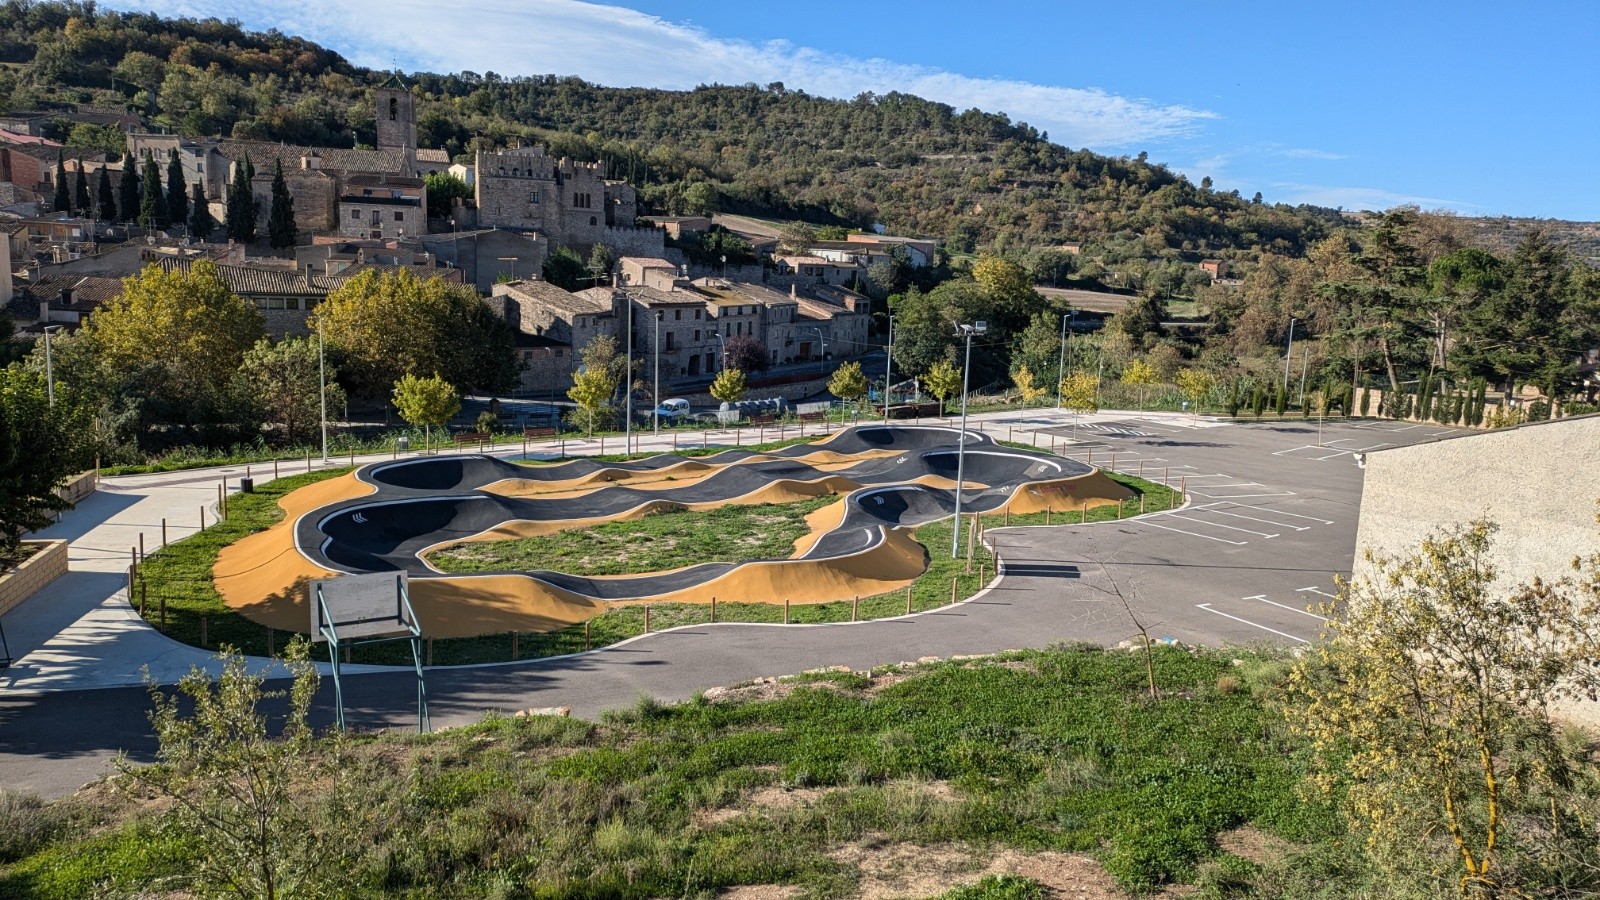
pixel 382 206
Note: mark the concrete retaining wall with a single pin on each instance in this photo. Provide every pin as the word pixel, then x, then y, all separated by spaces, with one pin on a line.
pixel 35 572
pixel 1540 483
pixel 78 488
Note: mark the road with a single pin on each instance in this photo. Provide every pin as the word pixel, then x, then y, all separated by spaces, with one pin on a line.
pixel 1270 523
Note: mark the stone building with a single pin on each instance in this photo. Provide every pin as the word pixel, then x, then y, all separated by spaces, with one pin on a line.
pixel 568 201
pixel 548 319
pixel 382 206
pixel 487 255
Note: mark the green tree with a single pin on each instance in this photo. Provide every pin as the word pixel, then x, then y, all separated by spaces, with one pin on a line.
pixel 201 224
pixel 128 191
pixel 848 382
pixel 152 201
pixel 1196 385
pixel 443 190
pixel 105 197
pixel 36 454
pixel 942 380
pixel 284 381
pixel 239 216
pixel 80 192
pixel 1038 347
pixel 729 386
pixel 280 219
pixel 177 191
pixel 63 195
pixel 229 783
pixel 1428 704
pixel 385 325
pixel 430 402
pixel 1008 291
pixel 601 262
pixel 1139 375
pixel 593 391
pixel 565 269
pixel 1026 386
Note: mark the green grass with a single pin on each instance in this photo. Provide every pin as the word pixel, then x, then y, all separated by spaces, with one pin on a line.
pixel 1051 750
pixel 657 542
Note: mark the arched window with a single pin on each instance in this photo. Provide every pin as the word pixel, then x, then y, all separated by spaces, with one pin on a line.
pixel 394 108
pixel 592 221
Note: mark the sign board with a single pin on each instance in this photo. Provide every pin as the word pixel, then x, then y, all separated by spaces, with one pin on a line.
pixel 361 606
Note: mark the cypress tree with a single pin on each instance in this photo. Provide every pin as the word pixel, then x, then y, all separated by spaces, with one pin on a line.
pixel 1258 401
pixel 105 198
pixel 280 219
pixel 80 193
pixel 63 199
pixel 1366 400
pixel 177 192
pixel 1280 400
pixel 240 222
pixel 200 222
pixel 152 201
pixel 128 191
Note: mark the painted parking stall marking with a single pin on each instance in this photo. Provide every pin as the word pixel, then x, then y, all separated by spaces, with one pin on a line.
pixel 1283 616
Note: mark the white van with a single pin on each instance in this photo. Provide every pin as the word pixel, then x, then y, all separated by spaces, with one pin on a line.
pixel 673 409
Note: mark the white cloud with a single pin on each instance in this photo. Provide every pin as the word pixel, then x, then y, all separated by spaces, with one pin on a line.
pixel 1307 153
pixel 1358 198
pixel 614 45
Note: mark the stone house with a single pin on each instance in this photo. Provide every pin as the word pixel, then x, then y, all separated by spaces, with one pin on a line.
pixel 382 206
pixel 485 255
pixel 568 201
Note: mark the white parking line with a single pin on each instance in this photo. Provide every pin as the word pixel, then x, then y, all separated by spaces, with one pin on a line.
pixel 1207 608
pixel 1316 591
pixel 1263 599
pixel 1222 512
pixel 1208 537
pixel 1373 447
pixel 1242 496
pixel 1278 512
pixel 1191 518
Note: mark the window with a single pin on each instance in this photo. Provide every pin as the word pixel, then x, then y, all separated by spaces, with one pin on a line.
pixel 516 172
pixel 697 315
pixel 593 221
pixel 533 196
pixel 697 335
pixel 677 314
pixel 292 303
pixel 355 214
pixel 394 108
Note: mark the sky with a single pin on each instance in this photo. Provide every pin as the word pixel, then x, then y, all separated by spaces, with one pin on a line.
pixel 1485 109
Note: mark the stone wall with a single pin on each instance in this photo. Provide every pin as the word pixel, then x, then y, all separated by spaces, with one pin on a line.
pixel 315 195
pixel 1539 483
pixel 75 489
pixel 35 572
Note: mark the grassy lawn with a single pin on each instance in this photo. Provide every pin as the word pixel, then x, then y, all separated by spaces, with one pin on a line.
pixel 809 781
pixel 660 541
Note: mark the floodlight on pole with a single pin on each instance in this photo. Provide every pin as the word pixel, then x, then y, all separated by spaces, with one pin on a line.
pixel 888 368
pixel 49 368
pixel 657 344
pixel 978 327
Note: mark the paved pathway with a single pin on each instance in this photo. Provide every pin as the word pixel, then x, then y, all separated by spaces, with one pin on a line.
pixel 1271 521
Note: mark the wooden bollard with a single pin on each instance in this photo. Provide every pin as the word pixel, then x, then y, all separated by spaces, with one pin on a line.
pixel 855 607
pixel 705 437
pixel 1119 510
pixel 713 609
pixel 1047 511
pixel 202 518
pixel 786 610
pixel 1113 462
pixel 1083 513
pixel 602 445
pixel 1166 477
pixel 163 532
pixel 908 599
pixel 674 442
pixel 308 460
pixel 1183 487
pixel 222 501
pixel 954 583
pixel 1008 515
pixel 352 459
pixel 647 618
pixel 586 644
pixel 1141 504
pixel 516 644
pixel 1141 468
pixel 1088 458
pixel 133 565
pixel 738 435
pixel 762 438
pixel 141 546
pixel 274 470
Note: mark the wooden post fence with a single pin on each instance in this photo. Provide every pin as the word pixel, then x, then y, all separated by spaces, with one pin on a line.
pixel 163 531
pixel 786 610
pixel 908 599
pixel 855 607
pixel 713 609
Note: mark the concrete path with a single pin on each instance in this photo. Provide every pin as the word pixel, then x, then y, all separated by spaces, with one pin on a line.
pixel 1271 521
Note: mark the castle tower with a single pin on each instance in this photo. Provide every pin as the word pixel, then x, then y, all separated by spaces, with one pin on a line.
pixel 397 120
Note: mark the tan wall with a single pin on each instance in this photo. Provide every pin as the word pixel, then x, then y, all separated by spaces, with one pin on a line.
pixel 35 572
pixel 1539 483
pixel 78 488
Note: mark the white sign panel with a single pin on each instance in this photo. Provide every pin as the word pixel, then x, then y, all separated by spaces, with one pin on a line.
pixel 360 606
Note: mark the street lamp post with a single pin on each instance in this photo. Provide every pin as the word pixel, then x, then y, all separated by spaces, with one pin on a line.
pixel 968 331
pixel 656 414
pixel 1061 365
pixel 724 345
pixel 888 369
pixel 322 382
pixel 49 368
pixel 1287 353
pixel 627 388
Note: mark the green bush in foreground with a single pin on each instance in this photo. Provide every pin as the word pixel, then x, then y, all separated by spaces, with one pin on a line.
pixel 1053 750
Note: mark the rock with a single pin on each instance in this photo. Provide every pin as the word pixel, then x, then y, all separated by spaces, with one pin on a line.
pixel 924 660
pixel 559 711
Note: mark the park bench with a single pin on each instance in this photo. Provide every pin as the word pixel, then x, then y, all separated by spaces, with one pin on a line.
pixel 472 437
pixel 763 420
pixel 813 416
pixel 539 431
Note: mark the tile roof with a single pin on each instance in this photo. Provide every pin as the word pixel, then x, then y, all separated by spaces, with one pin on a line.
pixel 250 280
pixel 88 293
pixel 591 302
pixel 264 154
pixel 433 156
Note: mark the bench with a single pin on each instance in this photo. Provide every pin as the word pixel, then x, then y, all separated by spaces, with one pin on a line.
pixel 763 420
pixel 543 431
pixel 472 437
pixel 813 416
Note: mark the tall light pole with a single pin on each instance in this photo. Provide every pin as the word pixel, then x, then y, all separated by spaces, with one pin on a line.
pixel 724 345
pixel 1061 365
pixel 656 414
pixel 1287 353
pixel 322 381
pixel 49 368
pixel 627 386
pixel 978 327
pixel 888 369
pixel 823 340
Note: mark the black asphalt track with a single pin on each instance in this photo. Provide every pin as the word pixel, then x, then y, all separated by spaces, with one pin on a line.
pixel 422 503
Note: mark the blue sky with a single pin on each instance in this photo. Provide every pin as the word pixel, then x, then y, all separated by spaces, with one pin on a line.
pixel 1480 108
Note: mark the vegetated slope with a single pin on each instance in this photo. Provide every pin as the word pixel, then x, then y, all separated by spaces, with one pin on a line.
pixel 1501 234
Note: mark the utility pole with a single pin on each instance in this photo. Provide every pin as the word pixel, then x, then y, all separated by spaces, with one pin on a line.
pixel 627 388
pixel 322 380
pixel 978 327
pixel 49 368
pixel 1061 365
pixel 656 414
pixel 888 369
pixel 1288 354
pixel 1305 363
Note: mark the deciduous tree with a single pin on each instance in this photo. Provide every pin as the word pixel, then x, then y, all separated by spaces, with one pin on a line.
pixel 942 380
pixel 848 382
pixel 1026 386
pixel 36 453
pixel 430 402
pixel 1196 385
pixel 729 386
pixel 1139 375
pixel 283 380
